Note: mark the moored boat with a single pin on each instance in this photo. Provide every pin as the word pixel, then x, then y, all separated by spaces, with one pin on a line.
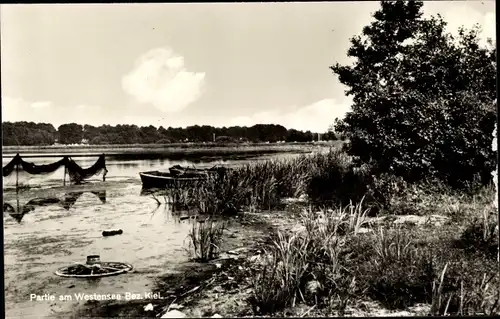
pixel 178 170
pixel 157 179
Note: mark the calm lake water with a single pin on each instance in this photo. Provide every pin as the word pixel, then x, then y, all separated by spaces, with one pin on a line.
pixel 63 225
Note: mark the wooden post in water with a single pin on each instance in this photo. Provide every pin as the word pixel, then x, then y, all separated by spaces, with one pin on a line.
pixel 18 206
pixel 64 180
pixel 17 178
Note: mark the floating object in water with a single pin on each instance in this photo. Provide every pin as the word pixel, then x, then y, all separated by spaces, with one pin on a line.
pixel 149 307
pixel 112 232
pixel 94 268
pixel 187 217
pixel 93 259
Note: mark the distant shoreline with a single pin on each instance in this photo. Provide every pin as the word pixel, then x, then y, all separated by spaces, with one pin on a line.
pixel 178 150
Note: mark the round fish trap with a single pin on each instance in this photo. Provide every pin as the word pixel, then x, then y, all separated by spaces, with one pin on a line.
pixel 94 268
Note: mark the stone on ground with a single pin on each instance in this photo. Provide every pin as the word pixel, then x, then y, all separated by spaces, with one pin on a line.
pixel 174 314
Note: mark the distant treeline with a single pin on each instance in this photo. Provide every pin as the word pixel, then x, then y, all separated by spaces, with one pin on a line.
pixel 29 133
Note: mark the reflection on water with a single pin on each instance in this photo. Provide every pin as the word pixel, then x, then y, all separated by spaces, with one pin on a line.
pixel 154 192
pixel 126 165
pixel 17 210
pixel 166 198
pixel 123 169
pixel 48 237
pixel 153 241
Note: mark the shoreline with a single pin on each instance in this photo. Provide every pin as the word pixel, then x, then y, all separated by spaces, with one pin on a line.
pixel 11 149
pixel 193 152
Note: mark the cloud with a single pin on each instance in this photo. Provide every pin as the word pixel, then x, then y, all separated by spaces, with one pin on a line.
pixel 316 117
pixel 160 78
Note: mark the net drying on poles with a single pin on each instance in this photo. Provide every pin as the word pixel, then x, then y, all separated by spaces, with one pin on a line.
pixel 76 172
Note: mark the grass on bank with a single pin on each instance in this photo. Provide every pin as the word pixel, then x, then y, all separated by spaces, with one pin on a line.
pixel 340 257
pixel 397 266
pixel 323 177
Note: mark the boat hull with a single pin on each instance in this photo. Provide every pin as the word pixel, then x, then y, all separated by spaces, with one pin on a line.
pixel 156 179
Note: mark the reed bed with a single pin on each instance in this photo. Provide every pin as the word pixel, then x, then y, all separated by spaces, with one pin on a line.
pixel 306 266
pixel 322 177
pixel 338 257
pixel 330 263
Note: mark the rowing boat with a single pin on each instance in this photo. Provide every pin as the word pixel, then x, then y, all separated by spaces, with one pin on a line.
pixel 178 170
pixel 157 179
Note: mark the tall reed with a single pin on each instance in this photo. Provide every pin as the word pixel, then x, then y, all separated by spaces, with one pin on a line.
pixel 205 238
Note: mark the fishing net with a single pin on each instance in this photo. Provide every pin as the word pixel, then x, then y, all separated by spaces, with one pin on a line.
pixel 32 168
pixel 71 198
pixel 77 174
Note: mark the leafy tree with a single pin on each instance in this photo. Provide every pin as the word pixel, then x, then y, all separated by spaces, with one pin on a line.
pixel 29 133
pixel 329 135
pixel 70 133
pixel 225 139
pixel 148 134
pixel 423 101
pixel 90 132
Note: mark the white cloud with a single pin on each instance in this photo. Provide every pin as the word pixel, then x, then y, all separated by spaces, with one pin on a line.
pixel 160 78
pixel 316 117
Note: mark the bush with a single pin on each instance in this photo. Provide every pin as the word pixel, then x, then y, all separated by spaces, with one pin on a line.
pixel 481 234
pixel 334 178
pixel 423 107
pixel 226 139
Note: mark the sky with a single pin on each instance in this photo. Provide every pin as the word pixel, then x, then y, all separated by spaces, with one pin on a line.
pixel 219 64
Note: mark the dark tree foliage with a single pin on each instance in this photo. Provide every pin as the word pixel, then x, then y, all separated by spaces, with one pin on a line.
pixel 23 133
pixel 28 133
pixel 423 101
pixel 70 133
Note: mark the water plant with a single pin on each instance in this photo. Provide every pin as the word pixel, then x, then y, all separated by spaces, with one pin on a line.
pixel 205 238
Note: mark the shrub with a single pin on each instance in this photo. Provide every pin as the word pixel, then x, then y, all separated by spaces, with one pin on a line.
pixel 481 234
pixel 226 140
pixel 421 107
pixel 334 178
